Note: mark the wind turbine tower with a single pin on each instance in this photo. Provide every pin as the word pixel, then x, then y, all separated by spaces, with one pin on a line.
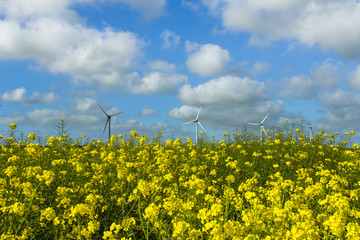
pixel 261 125
pixel 197 122
pixel 108 119
pixel 311 130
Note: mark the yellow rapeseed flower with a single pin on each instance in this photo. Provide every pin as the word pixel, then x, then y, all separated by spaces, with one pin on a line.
pixel 48 214
pixel 152 212
pixel 31 136
pixel 180 228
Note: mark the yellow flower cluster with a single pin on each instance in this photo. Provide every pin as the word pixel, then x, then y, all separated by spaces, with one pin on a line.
pixel 141 189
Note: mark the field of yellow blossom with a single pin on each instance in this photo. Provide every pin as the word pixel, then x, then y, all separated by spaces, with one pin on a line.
pixel 285 188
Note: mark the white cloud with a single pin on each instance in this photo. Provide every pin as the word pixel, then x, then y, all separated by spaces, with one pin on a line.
pixel 260 41
pixel 85 104
pixel 23 10
pixel 308 21
pixel 355 78
pixel 327 22
pixel 228 102
pixel 298 87
pixel 162 66
pixel 214 5
pixel 147 112
pixel 259 68
pixel 16 95
pixel 325 76
pixel 226 90
pixel 307 86
pixel 191 46
pixel 184 111
pixel 19 96
pixel 209 60
pixel 102 60
pixel 149 9
pixel 170 39
pixel 339 98
pixel 192 5
pixel 343 109
pixel 46 117
pixel 156 82
pixel 15 117
pixel 49 117
pixel 59 45
pixel 231 118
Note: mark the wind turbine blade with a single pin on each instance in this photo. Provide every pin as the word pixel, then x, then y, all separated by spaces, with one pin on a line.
pixel 103 110
pixel 106 124
pixel 264 118
pixel 255 124
pixel 116 114
pixel 202 126
pixel 197 116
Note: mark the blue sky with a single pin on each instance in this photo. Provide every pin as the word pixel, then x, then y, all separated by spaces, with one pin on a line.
pixel 159 61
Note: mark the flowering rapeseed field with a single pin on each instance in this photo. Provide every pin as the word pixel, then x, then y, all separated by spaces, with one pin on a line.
pixel 285 188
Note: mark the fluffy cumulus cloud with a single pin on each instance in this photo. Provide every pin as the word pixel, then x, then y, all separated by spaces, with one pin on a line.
pixel 19 96
pixel 308 86
pixel 162 66
pixel 83 105
pixel 84 114
pixel 343 109
pixel 45 117
pixel 325 76
pixel 339 98
pixel 207 60
pixel 298 87
pixel 309 21
pixel 101 59
pixel 226 90
pixel 13 118
pixel 156 82
pixel 231 118
pixel 185 112
pixel 22 10
pixel 355 78
pixel 228 102
pixel 51 34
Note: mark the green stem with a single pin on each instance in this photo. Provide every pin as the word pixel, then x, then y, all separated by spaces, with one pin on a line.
pixel 27 212
pixel 142 223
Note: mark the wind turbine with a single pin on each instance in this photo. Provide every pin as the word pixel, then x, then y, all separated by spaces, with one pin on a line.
pixel 197 122
pixel 261 125
pixel 311 129
pixel 108 119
